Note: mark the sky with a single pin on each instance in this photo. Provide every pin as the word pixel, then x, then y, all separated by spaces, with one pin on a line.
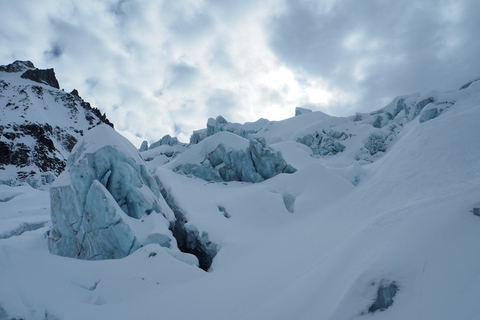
pixel 158 67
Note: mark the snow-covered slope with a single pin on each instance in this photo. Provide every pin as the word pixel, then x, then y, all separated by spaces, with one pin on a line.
pixel 349 235
pixel 39 124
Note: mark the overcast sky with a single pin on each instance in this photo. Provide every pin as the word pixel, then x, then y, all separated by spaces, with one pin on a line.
pixel 164 67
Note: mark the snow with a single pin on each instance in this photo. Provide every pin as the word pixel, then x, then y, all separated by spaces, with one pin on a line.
pixel 325 242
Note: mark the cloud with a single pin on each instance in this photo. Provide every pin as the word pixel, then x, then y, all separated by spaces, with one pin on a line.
pixel 164 67
pixel 182 76
pixel 221 101
pixel 379 49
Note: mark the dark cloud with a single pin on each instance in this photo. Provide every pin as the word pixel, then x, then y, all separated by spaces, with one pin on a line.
pixel 380 49
pixel 55 52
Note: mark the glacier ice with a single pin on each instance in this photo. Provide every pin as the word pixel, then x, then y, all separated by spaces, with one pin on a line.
pixel 95 206
pixel 220 124
pixel 428 114
pixel 421 104
pixel 324 143
pixel 144 146
pixel 197 136
pixel 376 143
pixel 254 163
pixel 107 205
pixel 165 140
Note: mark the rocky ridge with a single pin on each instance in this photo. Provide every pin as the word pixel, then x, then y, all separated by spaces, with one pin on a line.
pixel 39 124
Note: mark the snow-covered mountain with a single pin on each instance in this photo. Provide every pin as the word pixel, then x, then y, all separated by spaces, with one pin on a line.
pixel 39 124
pixel 373 216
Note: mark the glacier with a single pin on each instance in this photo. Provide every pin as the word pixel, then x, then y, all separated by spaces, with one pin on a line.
pixel 105 192
pixel 220 124
pixel 227 157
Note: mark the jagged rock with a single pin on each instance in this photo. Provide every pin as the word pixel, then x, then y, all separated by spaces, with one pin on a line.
pixel 41 154
pixel 39 149
pixel 17 66
pixel 42 76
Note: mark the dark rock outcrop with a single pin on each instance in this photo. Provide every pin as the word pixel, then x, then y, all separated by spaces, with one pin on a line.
pixel 42 76
pixel 17 66
pixel 38 148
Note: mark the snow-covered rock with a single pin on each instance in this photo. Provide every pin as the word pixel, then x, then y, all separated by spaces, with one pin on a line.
pixel 39 124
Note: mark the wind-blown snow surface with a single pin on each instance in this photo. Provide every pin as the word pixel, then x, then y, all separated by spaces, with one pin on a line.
pixel 306 245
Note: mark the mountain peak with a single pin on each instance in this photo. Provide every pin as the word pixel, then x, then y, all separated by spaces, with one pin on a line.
pixel 17 66
pixel 45 76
